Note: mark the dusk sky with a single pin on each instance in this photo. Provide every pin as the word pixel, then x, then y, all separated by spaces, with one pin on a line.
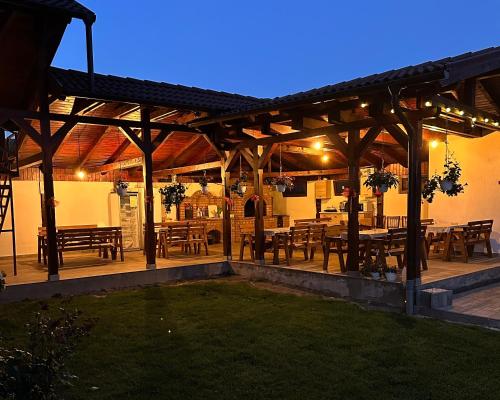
pixel 274 47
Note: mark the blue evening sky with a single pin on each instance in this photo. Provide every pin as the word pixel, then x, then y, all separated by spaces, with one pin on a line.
pixel 274 47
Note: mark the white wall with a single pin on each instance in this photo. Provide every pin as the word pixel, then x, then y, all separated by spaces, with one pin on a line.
pixel 480 162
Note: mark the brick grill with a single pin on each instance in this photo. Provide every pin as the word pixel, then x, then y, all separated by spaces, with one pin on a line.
pixel 239 223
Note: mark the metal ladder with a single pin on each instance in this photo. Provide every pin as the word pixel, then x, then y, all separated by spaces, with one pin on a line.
pixel 9 169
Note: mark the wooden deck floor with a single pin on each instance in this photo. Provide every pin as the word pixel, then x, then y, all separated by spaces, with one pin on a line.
pixel 81 264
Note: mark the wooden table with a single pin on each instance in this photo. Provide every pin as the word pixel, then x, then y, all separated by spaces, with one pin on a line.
pixel 447 231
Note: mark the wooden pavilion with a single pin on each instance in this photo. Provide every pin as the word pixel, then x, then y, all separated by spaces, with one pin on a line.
pixel 73 120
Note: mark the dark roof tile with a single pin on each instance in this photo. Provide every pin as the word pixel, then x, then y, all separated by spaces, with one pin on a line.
pixel 70 7
pixel 108 87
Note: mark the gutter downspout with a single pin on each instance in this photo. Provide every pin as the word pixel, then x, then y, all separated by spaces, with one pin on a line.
pixel 90 53
pixel 413 283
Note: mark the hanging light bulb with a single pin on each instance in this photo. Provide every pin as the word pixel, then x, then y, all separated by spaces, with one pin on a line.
pixel 80 174
pixel 434 143
pixel 318 145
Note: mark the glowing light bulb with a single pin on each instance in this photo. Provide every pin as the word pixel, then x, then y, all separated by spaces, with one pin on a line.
pixel 325 158
pixel 461 112
pixel 486 120
pixel 318 145
pixel 434 143
pixel 447 109
pixel 392 111
pixel 428 103
pixel 80 174
pixel 474 119
pixel 495 123
pixel 363 105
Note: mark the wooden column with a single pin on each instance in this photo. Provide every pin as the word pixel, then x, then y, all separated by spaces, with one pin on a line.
pixel 226 212
pixel 258 182
pixel 380 210
pixel 414 203
pixel 48 188
pixel 353 202
pixel 147 170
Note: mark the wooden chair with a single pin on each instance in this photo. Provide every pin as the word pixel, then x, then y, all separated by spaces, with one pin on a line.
pixel 279 241
pixel 379 221
pixel 316 238
pixel 198 237
pixel 299 240
pixel 247 239
pixel 476 232
pixel 394 245
pixel 339 246
pixel 174 235
pixel 392 222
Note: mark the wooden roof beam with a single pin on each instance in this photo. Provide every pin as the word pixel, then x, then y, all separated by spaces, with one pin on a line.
pixel 189 168
pixel 126 164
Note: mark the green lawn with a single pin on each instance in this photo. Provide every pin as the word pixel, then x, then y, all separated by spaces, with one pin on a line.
pixel 230 340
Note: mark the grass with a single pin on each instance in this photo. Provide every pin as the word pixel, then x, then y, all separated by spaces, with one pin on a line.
pixel 230 340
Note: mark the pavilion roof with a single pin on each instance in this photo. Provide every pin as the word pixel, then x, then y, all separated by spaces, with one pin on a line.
pixel 69 7
pixel 444 72
pixel 115 88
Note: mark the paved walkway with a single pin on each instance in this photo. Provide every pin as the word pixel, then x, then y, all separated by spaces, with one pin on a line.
pixel 481 302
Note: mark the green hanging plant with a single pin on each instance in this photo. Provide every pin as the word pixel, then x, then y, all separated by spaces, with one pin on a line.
pixel 381 181
pixel 447 183
pixel 173 195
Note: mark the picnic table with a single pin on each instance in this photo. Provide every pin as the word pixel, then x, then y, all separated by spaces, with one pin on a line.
pixel 445 233
pixel 82 237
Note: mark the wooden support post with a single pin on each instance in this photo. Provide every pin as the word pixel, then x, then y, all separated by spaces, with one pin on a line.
pixel 48 188
pixel 414 204
pixel 226 212
pixel 379 223
pixel 258 182
pixel 353 209
pixel 147 170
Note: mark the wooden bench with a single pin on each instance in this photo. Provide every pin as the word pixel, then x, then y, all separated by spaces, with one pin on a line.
pixel 42 234
pixel 476 232
pixel 102 239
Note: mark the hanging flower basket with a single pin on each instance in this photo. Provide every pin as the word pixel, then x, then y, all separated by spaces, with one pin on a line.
pixel 239 186
pixel 448 183
pixel 173 195
pixel 381 181
pixel 204 183
pixel 121 188
pixel 282 183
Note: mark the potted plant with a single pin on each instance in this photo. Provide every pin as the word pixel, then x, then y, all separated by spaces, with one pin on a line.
pixel 391 274
pixel 447 183
pixel 282 183
pixel 173 194
pixel 121 187
pixel 204 183
pixel 239 186
pixel 381 181
pixel 371 269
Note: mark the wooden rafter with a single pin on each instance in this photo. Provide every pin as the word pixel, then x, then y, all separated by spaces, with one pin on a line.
pixel 169 162
pixel 126 164
pixel 189 168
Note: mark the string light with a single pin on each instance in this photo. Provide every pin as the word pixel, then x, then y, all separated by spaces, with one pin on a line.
pixel 434 143
pixel 428 103
pixel 461 112
pixel 495 123
pixel 486 120
pixel 447 109
pixel 474 119
pixel 318 145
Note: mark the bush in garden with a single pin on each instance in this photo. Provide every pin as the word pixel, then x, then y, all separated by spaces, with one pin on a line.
pixel 39 371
